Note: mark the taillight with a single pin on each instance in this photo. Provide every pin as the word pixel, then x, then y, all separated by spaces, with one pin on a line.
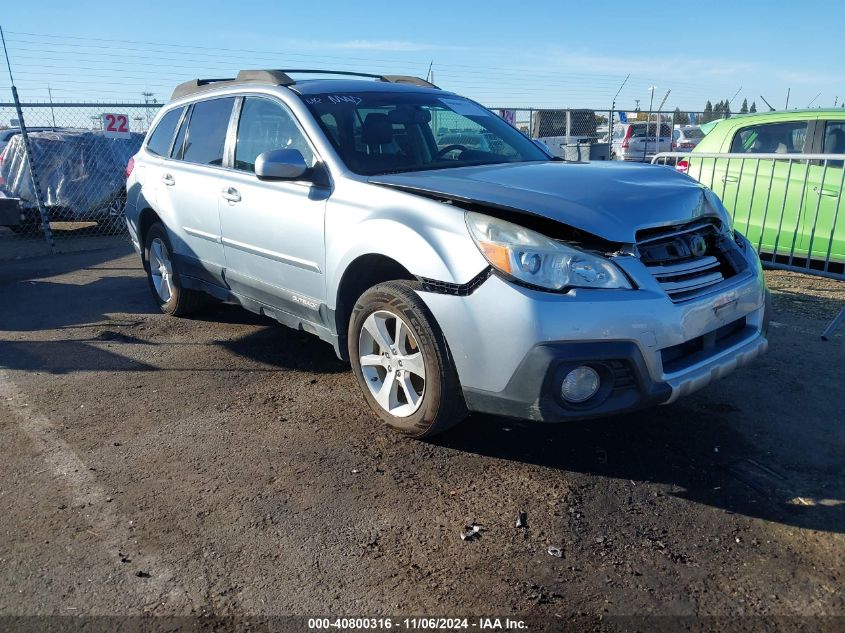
pixel 682 166
pixel 129 167
pixel 627 138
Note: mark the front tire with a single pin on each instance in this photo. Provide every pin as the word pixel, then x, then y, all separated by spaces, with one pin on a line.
pixel 161 277
pixel 402 363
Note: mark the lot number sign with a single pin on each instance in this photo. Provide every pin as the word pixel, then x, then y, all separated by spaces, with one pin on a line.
pixel 115 125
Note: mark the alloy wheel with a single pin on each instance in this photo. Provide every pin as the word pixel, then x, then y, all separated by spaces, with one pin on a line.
pixel 392 363
pixel 161 270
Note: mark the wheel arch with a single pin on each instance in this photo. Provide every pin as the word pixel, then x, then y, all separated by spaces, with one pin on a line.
pixel 146 218
pixel 362 273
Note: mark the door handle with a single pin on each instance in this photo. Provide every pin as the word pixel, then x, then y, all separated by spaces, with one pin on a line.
pixel 728 179
pixel 823 191
pixel 231 194
pixel 167 179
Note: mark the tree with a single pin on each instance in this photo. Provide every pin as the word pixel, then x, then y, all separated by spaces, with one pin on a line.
pixel 744 107
pixel 726 109
pixel 680 118
pixel 753 107
pixel 708 113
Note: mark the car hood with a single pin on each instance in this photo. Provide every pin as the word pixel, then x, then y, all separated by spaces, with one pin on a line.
pixel 608 199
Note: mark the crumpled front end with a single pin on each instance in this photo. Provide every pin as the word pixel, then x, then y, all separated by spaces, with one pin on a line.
pixel 682 326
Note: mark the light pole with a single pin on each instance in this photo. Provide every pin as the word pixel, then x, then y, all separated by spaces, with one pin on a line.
pixel 610 119
pixel 648 121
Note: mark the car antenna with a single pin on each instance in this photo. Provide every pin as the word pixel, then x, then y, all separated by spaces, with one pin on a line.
pixel 814 100
pixel 771 109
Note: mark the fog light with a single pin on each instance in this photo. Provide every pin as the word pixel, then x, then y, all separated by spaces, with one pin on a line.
pixel 580 384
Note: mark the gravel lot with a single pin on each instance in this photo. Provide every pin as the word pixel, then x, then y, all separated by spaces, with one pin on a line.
pixel 226 466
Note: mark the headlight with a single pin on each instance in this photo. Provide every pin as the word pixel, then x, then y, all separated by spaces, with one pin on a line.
pixel 535 259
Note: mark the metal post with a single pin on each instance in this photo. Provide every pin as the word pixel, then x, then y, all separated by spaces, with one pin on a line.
pixel 833 325
pixel 52 111
pixel 36 187
pixel 648 123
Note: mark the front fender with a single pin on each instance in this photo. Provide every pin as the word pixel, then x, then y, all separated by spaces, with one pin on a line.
pixel 435 245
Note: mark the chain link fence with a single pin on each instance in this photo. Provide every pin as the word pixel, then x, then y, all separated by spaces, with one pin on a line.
pixel 585 134
pixel 78 152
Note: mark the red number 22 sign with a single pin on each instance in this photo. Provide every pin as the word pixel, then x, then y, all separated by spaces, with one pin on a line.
pixel 115 125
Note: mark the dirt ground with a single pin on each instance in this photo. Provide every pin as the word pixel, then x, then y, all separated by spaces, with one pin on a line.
pixel 226 467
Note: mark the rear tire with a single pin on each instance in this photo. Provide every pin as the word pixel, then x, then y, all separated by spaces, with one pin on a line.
pixel 402 363
pixel 163 278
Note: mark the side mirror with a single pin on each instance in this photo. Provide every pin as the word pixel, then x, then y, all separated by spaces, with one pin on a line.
pixel 280 164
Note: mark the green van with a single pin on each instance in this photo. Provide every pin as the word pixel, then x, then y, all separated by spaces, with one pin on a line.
pixel 784 207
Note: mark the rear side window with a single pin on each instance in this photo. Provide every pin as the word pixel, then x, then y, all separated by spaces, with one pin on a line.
pixel 834 138
pixel 772 138
pixel 641 130
pixel 176 152
pixel 162 135
pixel 834 141
pixel 207 131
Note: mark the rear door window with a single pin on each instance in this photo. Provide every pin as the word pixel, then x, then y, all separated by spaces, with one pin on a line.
pixel 162 135
pixel 207 131
pixel 771 138
pixel 643 130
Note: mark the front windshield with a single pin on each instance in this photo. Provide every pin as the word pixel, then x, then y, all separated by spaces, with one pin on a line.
pixel 390 132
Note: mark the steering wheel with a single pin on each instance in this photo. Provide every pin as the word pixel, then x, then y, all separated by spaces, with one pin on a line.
pixel 449 148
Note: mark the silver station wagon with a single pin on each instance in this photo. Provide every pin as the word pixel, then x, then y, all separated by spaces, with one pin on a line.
pixel 453 277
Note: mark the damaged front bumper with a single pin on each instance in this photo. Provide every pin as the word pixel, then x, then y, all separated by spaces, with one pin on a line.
pixel 512 345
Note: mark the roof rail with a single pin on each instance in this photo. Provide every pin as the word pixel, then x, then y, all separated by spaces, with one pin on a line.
pixel 408 79
pixel 282 78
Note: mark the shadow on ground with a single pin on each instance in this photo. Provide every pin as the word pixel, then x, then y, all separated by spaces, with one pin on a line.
pixel 707 447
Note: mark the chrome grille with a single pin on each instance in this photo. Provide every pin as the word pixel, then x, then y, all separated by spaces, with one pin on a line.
pixel 680 265
pixel 688 279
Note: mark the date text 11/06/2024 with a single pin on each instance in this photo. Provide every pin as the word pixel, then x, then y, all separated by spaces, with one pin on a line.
pixel 419 624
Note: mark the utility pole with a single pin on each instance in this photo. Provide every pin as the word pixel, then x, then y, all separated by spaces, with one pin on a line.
pixel 149 97
pixel 788 90
pixel 36 187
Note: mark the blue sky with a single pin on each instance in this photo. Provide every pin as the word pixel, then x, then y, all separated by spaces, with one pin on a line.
pixel 547 54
